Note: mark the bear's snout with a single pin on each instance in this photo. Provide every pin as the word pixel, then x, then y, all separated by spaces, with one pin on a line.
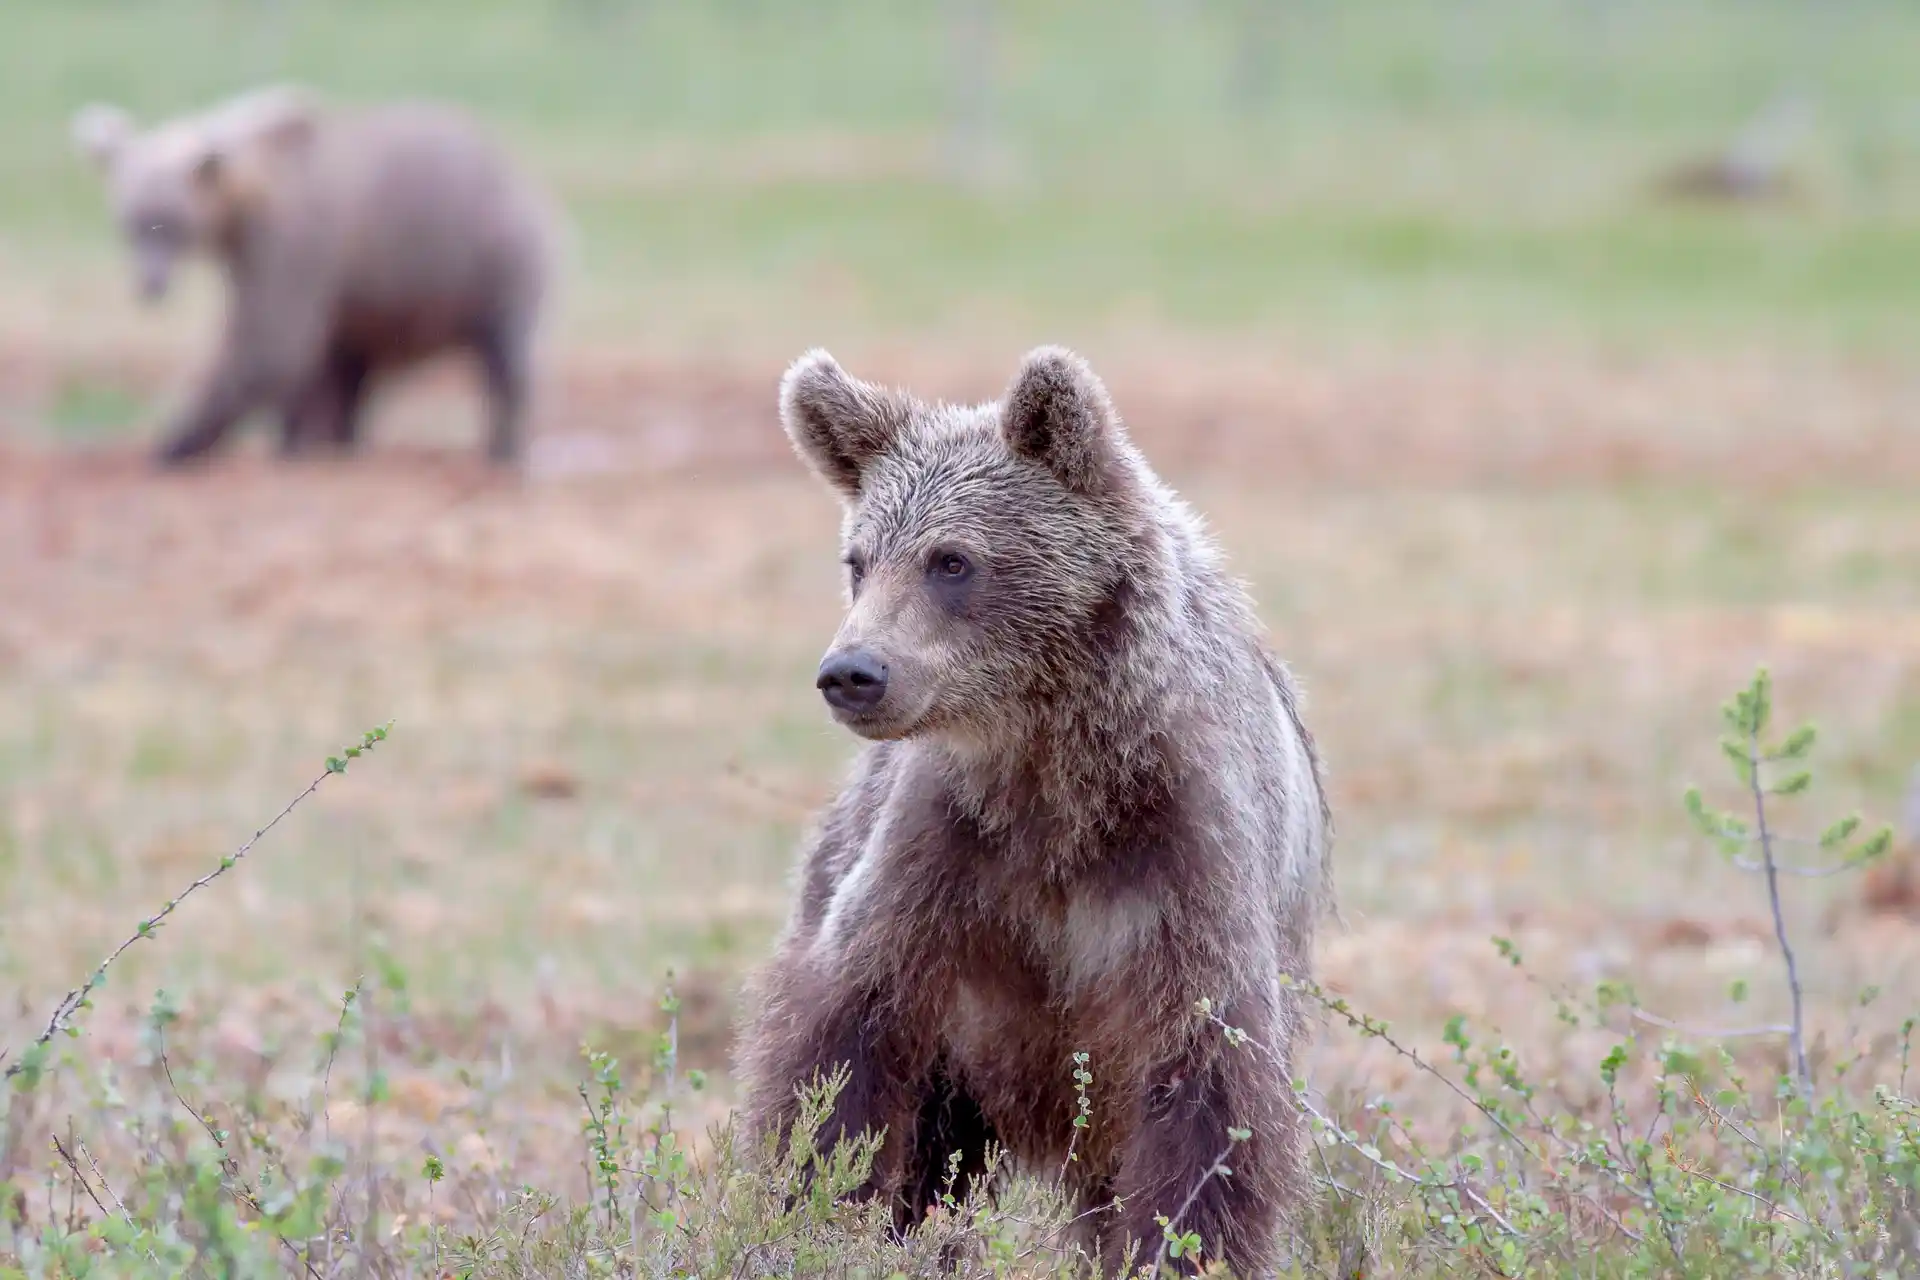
pixel 852 680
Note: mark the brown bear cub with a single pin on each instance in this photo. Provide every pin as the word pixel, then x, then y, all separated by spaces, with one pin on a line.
pixel 1089 801
pixel 355 243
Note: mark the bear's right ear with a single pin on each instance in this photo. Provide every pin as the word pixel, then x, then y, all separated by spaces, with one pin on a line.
pixel 101 132
pixel 837 423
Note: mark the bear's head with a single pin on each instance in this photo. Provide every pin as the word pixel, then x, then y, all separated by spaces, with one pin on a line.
pixel 190 185
pixel 992 551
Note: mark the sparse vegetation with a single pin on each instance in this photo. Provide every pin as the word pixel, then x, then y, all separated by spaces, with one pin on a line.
pixel 1526 467
pixel 1684 1158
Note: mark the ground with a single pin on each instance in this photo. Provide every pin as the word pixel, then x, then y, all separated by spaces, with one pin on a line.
pixel 1526 476
pixel 606 739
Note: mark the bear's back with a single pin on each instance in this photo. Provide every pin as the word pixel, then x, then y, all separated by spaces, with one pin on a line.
pixel 434 225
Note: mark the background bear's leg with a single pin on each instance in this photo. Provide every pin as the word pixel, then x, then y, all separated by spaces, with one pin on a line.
pixel 950 1122
pixel 306 415
pixel 348 372
pixel 1183 1135
pixel 274 330
pixel 225 398
pixel 327 408
pixel 505 361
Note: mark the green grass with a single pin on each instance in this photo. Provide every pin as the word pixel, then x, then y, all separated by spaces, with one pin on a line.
pixel 87 408
pixel 1403 167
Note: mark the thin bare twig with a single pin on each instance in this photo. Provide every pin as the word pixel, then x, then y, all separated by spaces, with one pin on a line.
pixel 78 1177
pixel 1394 1171
pixel 1713 1033
pixel 232 1183
pixel 1384 1165
pixel 1797 1037
pixel 105 1186
pixel 1721 1118
pixel 1771 1206
pixel 1378 1031
pixel 1046 1241
pixel 74 1000
pixel 1214 1170
pixel 112 1195
pixel 227 1163
pixel 333 1052
pixel 1804 873
pixel 1370 1027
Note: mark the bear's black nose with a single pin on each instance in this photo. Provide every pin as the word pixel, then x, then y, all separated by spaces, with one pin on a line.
pixel 853 680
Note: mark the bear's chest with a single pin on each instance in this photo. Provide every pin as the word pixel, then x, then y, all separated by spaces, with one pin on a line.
pixel 1034 968
pixel 1004 893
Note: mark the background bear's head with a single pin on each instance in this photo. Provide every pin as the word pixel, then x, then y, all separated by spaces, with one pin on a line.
pixel 992 551
pixel 189 185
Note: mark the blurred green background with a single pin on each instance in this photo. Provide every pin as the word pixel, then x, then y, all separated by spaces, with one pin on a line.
pixel 1386 167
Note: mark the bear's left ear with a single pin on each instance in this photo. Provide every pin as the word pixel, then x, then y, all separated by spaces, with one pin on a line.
pixel 278 121
pixel 1057 414
pixel 101 132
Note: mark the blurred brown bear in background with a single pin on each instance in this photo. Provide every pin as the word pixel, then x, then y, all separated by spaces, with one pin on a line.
pixel 355 242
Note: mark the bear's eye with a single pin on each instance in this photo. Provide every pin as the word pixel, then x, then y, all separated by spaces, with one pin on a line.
pixel 952 566
pixel 856 572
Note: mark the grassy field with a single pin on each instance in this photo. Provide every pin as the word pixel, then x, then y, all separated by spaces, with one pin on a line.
pixel 1528 470
pixel 1365 169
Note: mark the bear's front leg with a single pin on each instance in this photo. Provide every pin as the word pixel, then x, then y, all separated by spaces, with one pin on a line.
pixel 268 352
pixel 225 397
pixel 1182 1163
pixel 807 1030
pixel 324 409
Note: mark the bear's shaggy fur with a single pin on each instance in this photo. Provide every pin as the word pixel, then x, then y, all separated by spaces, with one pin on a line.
pixel 1089 801
pixel 354 243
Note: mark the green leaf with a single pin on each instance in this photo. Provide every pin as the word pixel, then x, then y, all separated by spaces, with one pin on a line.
pixel 1734 713
pixel 1611 1064
pixel 1877 843
pixel 302 1220
pixel 1839 831
pixel 1709 822
pixel 33 1062
pixel 336 765
pixel 1760 701
pixel 1793 784
pixel 1740 755
pixel 1797 745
